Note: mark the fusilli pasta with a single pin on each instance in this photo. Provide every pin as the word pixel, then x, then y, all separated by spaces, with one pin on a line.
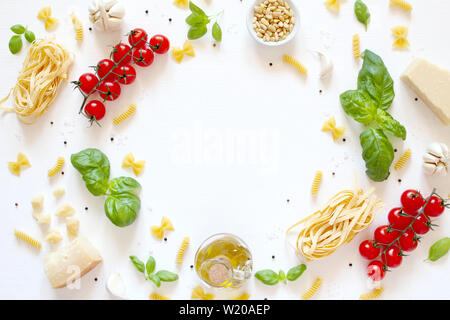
pixel 316 183
pixel 400 164
pixel 372 295
pixel 356 46
pixel 122 117
pixel 25 237
pixel 78 27
pixel 402 4
pixel 57 167
pixel 292 61
pixel 312 291
pixel 182 250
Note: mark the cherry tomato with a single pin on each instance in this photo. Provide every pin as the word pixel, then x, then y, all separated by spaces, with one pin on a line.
pixel 392 257
pixel 127 74
pixel 382 236
pixel 375 270
pixel 160 44
pixel 109 90
pixel 435 207
pixel 95 110
pixel 412 200
pixel 421 226
pixel 104 67
pixel 138 38
pixel 408 241
pixel 368 250
pixel 397 220
pixel 143 57
pixel 87 82
pixel 122 52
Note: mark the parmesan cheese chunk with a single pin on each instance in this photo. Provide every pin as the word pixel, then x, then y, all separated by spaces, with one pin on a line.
pixel 65 210
pixel 58 193
pixel 42 218
pixel 37 202
pixel 53 236
pixel 72 225
pixel 432 85
pixel 71 262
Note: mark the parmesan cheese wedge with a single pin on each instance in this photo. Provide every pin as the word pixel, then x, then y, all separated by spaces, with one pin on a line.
pixel 71 262
pixel 432 85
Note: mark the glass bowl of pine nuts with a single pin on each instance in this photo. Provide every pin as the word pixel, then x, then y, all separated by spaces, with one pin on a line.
pixel 273 22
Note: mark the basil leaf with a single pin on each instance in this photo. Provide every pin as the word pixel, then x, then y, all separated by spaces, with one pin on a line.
pixel 197 31
pixel 138 264
pixel 196 19
pixel 295 272
pixel 374 78
pixel 196 9
pixel 167 276
pixel 217 32
pixel 439 249
pixel 150 265
pixel 267 277
pixel 30 36
pixel 18 29
pixel 15 44
pixel 282 276
pixel 94 167
pixel 122 208
pixel 389 124
pixel 362 12
pixel 155 279
pixel 359 105
pixel 123 184
pixel 378 153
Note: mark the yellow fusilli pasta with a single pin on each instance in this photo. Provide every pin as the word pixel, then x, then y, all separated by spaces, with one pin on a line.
pixel 376 293
pixel 316 183
pixel 155 296
pixel 57 167
pixel 25 237
pixel 312 291
pixel 292 61
pixel 402 4
pixel 122 117
pixel 182 250
pixel 78 27
pixel 356 46
pixel 403 160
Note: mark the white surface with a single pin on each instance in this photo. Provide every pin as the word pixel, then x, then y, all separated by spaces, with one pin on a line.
pixel 227 140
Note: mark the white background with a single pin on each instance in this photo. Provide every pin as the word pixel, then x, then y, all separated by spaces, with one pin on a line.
pixel 196 174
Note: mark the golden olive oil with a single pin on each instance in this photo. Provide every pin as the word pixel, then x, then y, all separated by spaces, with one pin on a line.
pixel 223 260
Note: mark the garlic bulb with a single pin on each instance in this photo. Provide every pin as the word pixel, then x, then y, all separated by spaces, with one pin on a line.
pixel 106 15
pixel 326 65
pixel 436 160
pixel 116 286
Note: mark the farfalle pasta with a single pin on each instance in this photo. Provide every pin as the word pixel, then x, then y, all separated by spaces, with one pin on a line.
pixel 400 33
pixel 159 231
pixel 45 14
pixel 178 53
pixel 330 126
pixel 333 5
pixel 181 3
pixel 16 167
pixel 130 162
pixel 198 293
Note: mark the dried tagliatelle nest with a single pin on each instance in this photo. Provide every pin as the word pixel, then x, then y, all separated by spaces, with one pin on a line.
pixel 273 20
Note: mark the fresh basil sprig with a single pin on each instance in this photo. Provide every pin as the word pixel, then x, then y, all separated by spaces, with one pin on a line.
pixel 148 270
pixel 368 105
pixel 362 12
pixel 122 204
pixel 16 43
pixel 198 21
pixel 271 278
pixel 439 249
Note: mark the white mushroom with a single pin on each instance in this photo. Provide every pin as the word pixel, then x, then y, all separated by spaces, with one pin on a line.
pixel 106 15
pixel 116 286
pixel 436 160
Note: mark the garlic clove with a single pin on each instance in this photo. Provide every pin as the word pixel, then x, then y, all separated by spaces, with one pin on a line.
pixel 326 65
pixel 427 157
pixel 117 11
pixel 429 168
pixel 114 24
pixel 441 170
pixel 116 286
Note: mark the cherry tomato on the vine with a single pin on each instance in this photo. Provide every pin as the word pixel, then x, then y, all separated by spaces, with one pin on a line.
pixel 421 225
pixel 412 200
pixel 104 67
pixel 95 110
pixel 408 241
pixel 160 44
pixel 368 250
pixel 397 220
pixel 435 207
pixel 392 257
pixel 383 236
pixel 87 82
pixel 143 57
pixel 122 53
pixel 109 90
pixel 138 38
pixel 127 74
pixel 375 270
